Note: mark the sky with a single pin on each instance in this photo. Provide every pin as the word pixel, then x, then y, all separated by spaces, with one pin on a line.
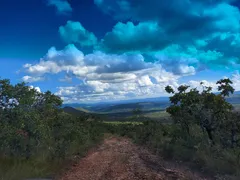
pixel 105 50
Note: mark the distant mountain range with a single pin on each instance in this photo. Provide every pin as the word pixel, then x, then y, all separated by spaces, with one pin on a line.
pixel 124 105
pixel 147 104
pixel 234 98
pixel 157 99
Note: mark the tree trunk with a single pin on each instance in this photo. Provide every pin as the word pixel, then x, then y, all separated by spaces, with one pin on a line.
pixel 210 135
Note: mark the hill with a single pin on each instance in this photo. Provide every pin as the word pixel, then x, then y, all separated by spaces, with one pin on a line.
pixel 73 111
pixel 126 106
pixel 153 108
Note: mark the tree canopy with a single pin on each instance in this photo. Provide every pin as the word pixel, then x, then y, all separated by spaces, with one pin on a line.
pixel 204 108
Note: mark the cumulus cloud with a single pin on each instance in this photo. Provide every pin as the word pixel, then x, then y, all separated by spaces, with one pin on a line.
pixel 192 58
pixel 184 70
pixel 227 44
pixel 74 32
pixel 97 64
pixel 200 18
pixel 58 61
pixel 109 63
pixel 107 91
pixel 207 32
pixel 235 78
pixel 103 76
pixel 63 7
pixel 178 65
pixel 125 37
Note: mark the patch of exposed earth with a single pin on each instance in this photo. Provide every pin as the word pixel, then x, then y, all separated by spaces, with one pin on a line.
pixel 120 159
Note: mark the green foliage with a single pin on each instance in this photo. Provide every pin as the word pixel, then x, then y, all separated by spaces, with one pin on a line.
pixel 200 117
pixel 37 135
pixel 169 89
pixel 26 125
pixel 169 142
pixel 225 87
pixel 35 132
pixel 208 110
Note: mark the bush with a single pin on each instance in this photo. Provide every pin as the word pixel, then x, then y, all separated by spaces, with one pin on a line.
pixel 171 143
pixel 36 134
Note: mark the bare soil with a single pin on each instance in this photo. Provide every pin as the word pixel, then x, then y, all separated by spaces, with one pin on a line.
pixel 119 159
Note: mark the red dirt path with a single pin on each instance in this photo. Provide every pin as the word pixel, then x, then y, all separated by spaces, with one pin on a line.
pixel 120 159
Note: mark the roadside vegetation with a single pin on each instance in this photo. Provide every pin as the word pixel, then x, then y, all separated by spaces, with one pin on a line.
pixel 204 133
pixel 36 137
pixel 39 139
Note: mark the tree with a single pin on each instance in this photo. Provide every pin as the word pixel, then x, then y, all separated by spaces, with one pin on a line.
pixel 208 110
pixel 225 87
pixel 25 117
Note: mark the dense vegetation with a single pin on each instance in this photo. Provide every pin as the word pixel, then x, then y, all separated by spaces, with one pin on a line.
pixel 37 136
pixel 205 132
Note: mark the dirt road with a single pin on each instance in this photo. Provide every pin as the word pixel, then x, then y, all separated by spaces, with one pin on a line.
pixel 120 159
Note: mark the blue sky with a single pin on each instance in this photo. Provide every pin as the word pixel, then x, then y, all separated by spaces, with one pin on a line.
pixel 100 50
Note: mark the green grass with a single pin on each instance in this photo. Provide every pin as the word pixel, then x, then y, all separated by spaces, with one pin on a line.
pixel 161 116
pixel 158 114
pixel 18 169
pixel 41 166
pixel 52 158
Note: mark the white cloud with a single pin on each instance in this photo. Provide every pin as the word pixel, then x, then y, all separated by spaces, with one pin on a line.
pixel 30 79
pixel 36 88
pixel 69 59
pixel 196 84
pixel 185 70
pixel 105 76
pixel 236 80
pixel 146 83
